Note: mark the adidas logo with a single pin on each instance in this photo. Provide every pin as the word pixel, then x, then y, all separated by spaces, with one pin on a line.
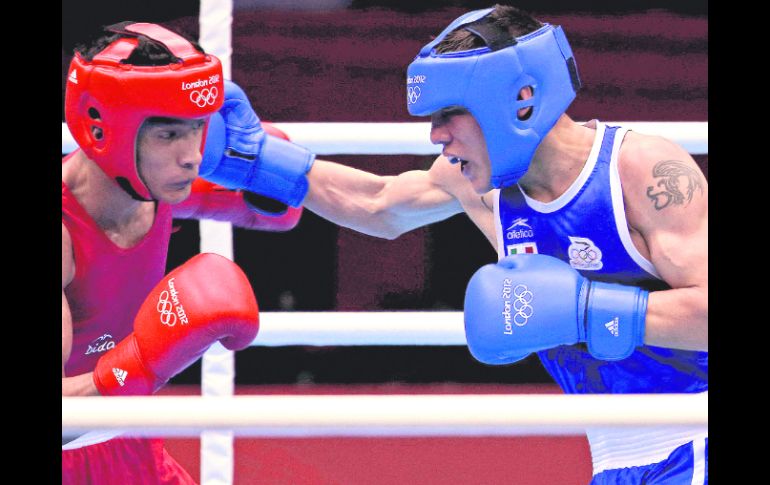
pixel 612 326
pixel 74 77
pixel 120 375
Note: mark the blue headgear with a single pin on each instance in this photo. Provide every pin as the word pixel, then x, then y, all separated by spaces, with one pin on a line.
pixel 487 81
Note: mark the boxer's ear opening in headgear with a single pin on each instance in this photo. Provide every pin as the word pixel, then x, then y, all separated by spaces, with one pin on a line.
pixel 528 110
pixel 96 131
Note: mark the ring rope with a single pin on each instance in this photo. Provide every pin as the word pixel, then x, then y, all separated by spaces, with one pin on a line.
pixel 412 138
pixel 384 415
pixel 360 328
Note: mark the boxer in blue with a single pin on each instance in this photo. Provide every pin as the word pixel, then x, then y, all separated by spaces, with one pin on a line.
pixel 601 232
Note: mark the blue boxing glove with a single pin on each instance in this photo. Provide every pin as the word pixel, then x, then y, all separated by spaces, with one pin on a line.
pixel 239 155
pixel 531 302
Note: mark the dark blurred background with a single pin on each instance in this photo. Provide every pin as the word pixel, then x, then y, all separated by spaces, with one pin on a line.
pixel 332 60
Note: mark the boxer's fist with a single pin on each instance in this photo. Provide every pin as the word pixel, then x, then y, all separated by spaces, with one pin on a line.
pixel 205 300
pixel 239 154
pixel 532 302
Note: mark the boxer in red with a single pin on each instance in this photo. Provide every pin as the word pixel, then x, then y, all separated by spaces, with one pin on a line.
pixel 138 103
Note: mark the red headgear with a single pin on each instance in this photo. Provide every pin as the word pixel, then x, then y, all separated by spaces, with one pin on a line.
pixel 118 97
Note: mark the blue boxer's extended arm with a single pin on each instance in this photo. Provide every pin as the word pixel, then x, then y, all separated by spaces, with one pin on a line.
pixel 240 155
pixel 533 302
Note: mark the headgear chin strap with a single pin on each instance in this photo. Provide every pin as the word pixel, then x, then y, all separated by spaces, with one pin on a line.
pixel 116 98
pixel 487 81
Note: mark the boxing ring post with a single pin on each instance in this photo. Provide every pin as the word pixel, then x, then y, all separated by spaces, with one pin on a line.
pixel 218 363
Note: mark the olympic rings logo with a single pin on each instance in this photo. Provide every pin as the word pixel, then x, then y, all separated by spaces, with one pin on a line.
pixel 165 307
pixel 204 96
pixel 585 255
pixel 413 94
pixel 524 310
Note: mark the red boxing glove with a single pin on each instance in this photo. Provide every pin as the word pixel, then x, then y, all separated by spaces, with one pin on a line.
pixel 241 209
pixel 205 300
pixel 270 129
pixel 211 201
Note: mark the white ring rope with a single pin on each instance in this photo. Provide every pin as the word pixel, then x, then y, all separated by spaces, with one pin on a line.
pixel 360 328
pixel 384 415
pixel 413 138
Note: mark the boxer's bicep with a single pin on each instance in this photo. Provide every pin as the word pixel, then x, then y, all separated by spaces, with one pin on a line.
pixel 666 204
pixel 82 384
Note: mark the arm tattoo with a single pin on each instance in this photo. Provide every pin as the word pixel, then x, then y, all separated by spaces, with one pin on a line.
pixel 678 183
